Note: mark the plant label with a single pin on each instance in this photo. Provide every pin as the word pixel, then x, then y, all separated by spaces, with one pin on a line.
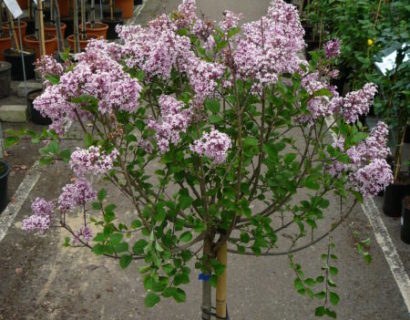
pixel 14 8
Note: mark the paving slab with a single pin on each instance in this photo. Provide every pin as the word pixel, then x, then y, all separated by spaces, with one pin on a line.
pixel 13 113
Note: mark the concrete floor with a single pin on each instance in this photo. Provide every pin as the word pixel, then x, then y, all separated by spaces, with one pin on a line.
pixel 42 280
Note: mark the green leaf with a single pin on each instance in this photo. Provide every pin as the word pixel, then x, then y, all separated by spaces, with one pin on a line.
pixel 311 183
pixel 250 141
pixel 151 299
pixel 289 158
pixel 96 206
pixel 333 270
pixel 334 298
pixel 212 105
pixel 185 201
pixel 310 282
pixel 177 293
pixel 298 284
pixel 214 119
pixel 9 141
pixel 320 311
pixel 139 246
pixel 125 261
pixel 330 313
pixel 102 194
pixel 88 140
pixel 65 155
pixel 186 236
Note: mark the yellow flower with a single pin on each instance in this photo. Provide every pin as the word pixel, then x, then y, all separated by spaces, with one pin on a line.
pixel 370 42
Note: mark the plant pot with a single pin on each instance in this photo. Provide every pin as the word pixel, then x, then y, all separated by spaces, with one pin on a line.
pixel 23 4
pixel 83 43
pixel 64 7
pixel 32 114
pixel 4 175
pixel 405 221
pixel 111 33
pixel 5 43
pixel 117 14
pixel 5 79
pixel 407 134
pixel 394 194
pixel 14 58
pixel 127 7
pixel 23 27
pixel 51 28
pixel 69 22
pixel 31 28
pixel 99 30
pixel 31 41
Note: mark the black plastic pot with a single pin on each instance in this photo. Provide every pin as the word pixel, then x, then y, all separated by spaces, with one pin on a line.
pixel 405 221
pixel 4 175
pixel 14 58
pixel 117 14
pixel 394 194
pixel 30 25
pixel 32 114
pixel 69 22
pixel 137 2
pixel 407 134
pixel 111 33
pixel 5 78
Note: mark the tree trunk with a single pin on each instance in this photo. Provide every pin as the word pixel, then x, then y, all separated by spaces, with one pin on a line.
pixel 222 256
pixel 206 285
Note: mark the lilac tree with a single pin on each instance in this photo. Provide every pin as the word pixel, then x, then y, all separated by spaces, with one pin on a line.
pixel 234 122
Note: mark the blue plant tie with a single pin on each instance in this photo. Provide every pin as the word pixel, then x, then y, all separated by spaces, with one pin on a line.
pixel 204 277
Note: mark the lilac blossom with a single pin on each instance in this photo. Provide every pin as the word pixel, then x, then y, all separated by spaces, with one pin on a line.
pixel 372 178
pixel 357 103
pixel 92 160
pixel 230 20
pixel 76 194
pixel 174 120
pixel 185 15
pixel 48 66
pixel 84 234
pixel 213 145
pixel 270 46
pixel 332 48
pixel 41 217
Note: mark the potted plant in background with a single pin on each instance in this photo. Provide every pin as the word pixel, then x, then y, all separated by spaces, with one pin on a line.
pixel 79 40
pixel 4 175
pixel 112 17
pixel 126 6
pixel 5 39
pixel 52 26
pixel 13 56
pixel 42 42
pixel 93 28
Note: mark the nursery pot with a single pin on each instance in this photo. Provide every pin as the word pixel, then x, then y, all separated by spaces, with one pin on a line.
pixel 32 114
pixel 98 30
pixel 30 41
pixel 83 43
pixel 127 7
pixel 111 33
pixel 14 58
pixel 5 43
pixel 64 7
pixel 117 14
pixel 137 2
pixel 5 79
pixel 23 4
pixel 4 175
pixel 405 221
pixel 394 194
pixel 30 25
pixel 69 22
pixel 51 28
pixel 23 27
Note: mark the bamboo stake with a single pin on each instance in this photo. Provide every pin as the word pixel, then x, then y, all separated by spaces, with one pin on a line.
pixel 83 28
pixel 222 256
pixel 60 40
pixel 111 10
pixel 206 285
pixel 41 21
pixel 13 31
pixel 76 35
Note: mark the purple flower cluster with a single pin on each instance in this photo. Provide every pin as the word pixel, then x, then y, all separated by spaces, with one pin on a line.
pixel 92 160
pixel 96 74
pixel 230 20
pixel 213 145
pixel 84 234
pixel 368 170
pixel 76 194
pixel 47 65
pixel 357 103
pixel 41 217
pixel 174 120
pixel 332 48
pixel 271 45
pixel 185 15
